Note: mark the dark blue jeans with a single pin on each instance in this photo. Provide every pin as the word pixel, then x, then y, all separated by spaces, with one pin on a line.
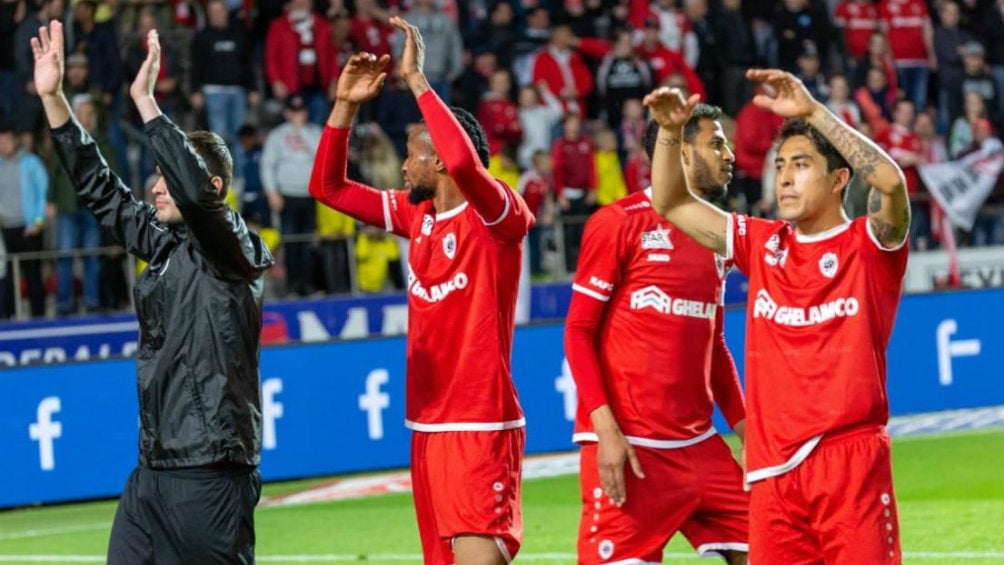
pixel 77 231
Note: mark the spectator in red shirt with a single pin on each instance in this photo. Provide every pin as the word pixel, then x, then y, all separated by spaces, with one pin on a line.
pixel 665 62
pixel 573 158
pixel 911 38
pixel 370 30
pixel 756 129
pixel 565 72
pixel 299 59
pixel 857 20
pixel 498 114
pixel 537 187
pixel 906 149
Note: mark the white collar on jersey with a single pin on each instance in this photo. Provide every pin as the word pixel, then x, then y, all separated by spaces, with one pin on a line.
pixel 812 238
pixel 450 213
pixel 648 192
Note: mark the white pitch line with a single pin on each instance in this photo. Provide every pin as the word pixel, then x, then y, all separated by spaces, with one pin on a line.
pixel 344 557
pixel 41 532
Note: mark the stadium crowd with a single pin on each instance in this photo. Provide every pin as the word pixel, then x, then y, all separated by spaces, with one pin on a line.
pixel 557 85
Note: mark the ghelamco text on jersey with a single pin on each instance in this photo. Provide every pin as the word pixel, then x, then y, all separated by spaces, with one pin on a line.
pixel 765 307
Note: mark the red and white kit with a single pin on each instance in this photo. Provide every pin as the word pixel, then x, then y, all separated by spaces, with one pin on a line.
pixel 821 310
pixel 464 272
pixel 644 336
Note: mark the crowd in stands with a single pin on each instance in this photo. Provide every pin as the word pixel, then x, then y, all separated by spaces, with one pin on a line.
pixel 557 85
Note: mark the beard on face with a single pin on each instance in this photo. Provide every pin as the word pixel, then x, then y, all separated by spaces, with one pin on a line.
pixel 419 194
pixel 704 180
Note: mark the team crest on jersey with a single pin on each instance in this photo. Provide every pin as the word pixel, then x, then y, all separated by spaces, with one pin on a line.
pixel 606 549
pixel 656 239
pixel 775 256
pixel 828 264
pixel 427 223
pixel 450 245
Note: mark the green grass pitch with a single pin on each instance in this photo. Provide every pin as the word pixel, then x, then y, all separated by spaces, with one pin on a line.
pixel 950 490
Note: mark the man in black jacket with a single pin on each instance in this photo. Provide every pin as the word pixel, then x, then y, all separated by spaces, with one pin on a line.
pixel 191 498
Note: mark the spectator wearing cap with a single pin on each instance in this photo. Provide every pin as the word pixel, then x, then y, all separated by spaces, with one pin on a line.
pixel 911 38
pixel 948 39
pixel 664 62
pixel 299 59
pixel 221 75
pixel 809 72
pixel 28 117
pixel 286 163
pixel 976 78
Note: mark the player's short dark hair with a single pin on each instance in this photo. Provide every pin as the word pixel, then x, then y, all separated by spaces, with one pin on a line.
pixel 215 154
pixel 7 129
pixel 798 126
pixel 474 131
pixel 701 112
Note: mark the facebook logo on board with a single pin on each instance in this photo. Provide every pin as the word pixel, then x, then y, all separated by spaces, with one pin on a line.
pixel 374 402
pixel 44 430
pixel 271 410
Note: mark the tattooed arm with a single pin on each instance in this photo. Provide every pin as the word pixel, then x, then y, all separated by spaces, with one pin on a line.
pixel 888 204
pixel 671 197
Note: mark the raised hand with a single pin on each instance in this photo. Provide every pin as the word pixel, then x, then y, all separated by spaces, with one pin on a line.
pixel 361 78
pixel 48 51
pixel 669 109
pixel 790 98
pixel 146 79
pixel 413 57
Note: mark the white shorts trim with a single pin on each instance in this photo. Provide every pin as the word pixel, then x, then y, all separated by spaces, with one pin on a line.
pixel 796 459
pixel 589 292
pixel 465 426
pixel 632 561
pixel 502 549
pixel 712 549
pixel 652 443
pixel 388 225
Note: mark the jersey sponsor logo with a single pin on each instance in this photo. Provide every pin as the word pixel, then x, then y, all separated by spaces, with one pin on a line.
pixel 658 257
pixel 653 297
pixel 766 307
pixel 427 223
pixel 828 264
pixel 439 291
pixel 601 284
pixel 656 239
pixel 450 245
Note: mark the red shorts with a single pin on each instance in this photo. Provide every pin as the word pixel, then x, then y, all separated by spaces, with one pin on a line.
pixel 467 483
pixel 697 490
pixel 837 506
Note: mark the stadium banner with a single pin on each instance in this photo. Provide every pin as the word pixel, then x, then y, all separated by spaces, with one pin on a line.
pixel 960 187
pixel 979 267
pixel 70 430
pixel 307 320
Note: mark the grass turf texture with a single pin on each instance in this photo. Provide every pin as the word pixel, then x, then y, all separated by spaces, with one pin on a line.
pixel 950 490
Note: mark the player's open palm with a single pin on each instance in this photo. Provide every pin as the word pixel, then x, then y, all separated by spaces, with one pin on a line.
pixel 47 49
pixel 146 78
pixel 789 99
pixel 413 56
pixel 669 108
pixel 362 78
pixel 613 454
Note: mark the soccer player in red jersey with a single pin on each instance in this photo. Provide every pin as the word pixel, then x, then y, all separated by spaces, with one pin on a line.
pixel 645 344
pixel 824 292
pixel 466 231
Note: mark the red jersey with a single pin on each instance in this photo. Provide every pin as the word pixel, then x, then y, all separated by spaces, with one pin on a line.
pixel 464 273
pixel 898 141
pixel 816 335
pixel 654 296
pixel 534 189
pixel 858 20
pixel 500 118
pixel 904 21
pixel 573 161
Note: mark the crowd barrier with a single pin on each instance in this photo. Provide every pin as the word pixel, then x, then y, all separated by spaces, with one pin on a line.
pixel 70 430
